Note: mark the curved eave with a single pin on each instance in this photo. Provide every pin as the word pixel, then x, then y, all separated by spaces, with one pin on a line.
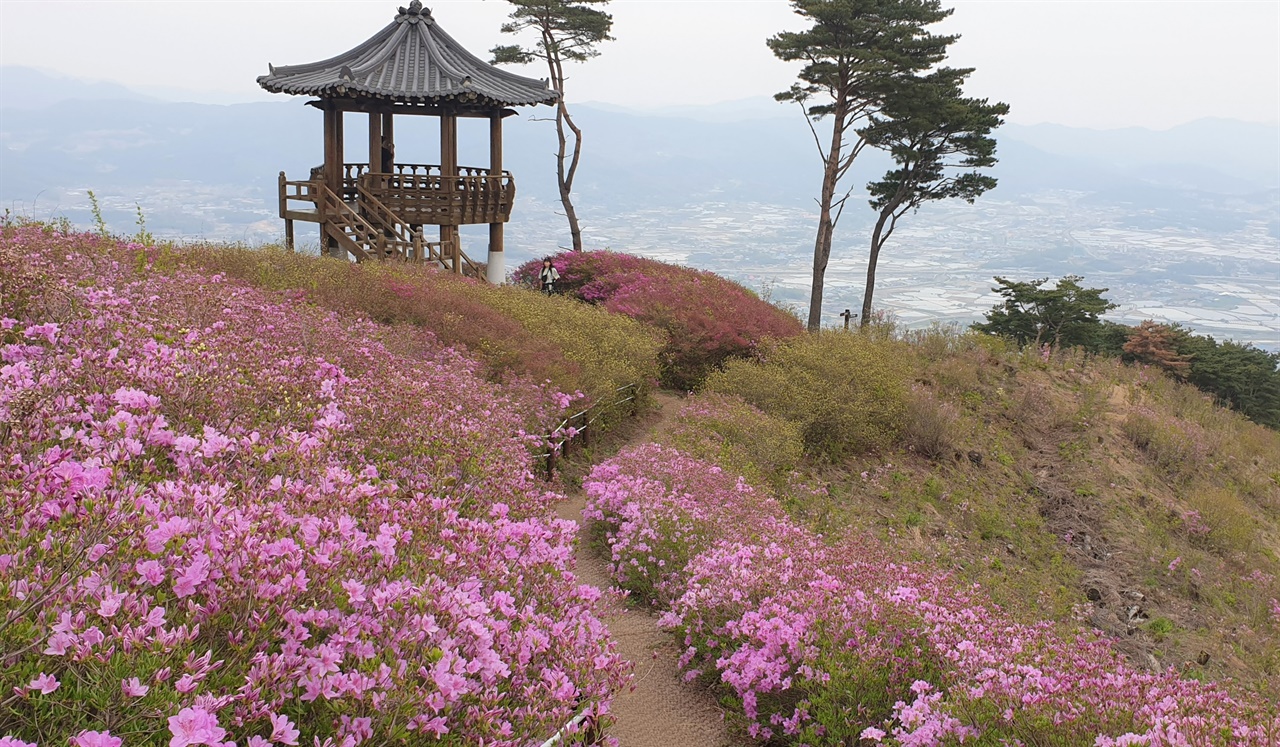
pixel 354 89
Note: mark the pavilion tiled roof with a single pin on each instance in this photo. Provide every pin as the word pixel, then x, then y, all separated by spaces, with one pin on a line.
pixel 410 61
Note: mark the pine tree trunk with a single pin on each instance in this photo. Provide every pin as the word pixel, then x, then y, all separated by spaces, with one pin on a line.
pixel 821 253
pixel 826 229
pixel 869 293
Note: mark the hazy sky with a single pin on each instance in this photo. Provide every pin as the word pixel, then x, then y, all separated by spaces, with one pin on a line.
pixel 1109 63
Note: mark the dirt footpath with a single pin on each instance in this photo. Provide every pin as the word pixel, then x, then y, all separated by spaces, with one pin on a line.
pixel 660 709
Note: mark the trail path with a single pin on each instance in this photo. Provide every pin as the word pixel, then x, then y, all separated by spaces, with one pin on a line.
pixel 660 710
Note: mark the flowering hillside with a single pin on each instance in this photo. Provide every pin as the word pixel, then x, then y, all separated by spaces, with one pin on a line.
pixel 228 516
pixel 707 318
pixel 512 331
pixel 837 644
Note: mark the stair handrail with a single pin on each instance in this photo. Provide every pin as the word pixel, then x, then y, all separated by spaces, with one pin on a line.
pixel 403 232
pixel 365 234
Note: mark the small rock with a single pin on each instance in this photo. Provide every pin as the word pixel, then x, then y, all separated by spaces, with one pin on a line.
pixel 976 458
pixel 1093 594
pixel 1202 658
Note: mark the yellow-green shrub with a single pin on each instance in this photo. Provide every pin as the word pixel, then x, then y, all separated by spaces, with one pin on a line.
pixel 930 425
pixel 610 350
pixel 727 431
pixel 846 392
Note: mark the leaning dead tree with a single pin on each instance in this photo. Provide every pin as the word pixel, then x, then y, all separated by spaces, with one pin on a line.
pixel 568 31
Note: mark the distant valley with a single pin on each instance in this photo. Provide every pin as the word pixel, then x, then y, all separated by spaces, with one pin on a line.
pixel 1182 225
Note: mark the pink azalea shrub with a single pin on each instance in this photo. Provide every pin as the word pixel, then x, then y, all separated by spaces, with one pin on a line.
pixel 839 644
pixel 707 318
pixel 229 517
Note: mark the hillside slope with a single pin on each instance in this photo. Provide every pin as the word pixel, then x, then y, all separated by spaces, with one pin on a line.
pixel 1073 488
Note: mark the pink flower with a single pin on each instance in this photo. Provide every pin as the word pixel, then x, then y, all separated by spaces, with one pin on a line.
pixel 133 687
pixel 150 571
pixel 872 734
pixel 110 603
pixel 48 331
pixel 194 575
pixel 134 399
pixel 282 730
pixel 95 739
pixel 195 726
pixel 45 683
pixel 185 444
pixel 15 742
pixel 58 643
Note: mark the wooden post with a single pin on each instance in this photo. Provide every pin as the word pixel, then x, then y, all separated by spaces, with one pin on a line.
pixel 497 270
pixel 388 144
pixel 847 316
pixel 288 234
pixel 449 178
pixel 333 150
pixel 375 143
pixel 332 169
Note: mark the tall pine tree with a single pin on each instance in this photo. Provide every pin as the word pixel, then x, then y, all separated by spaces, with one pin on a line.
pixel 855 53
pixel 939 141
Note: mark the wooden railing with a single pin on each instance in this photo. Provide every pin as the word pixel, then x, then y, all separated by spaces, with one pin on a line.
pixel 382 215
pixel 355 227
pixel 559 440
pixel 398 239
pixel 419 194
pixel 297 191
pixel 401 240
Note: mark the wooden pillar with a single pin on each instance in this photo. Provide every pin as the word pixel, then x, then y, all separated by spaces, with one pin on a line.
pixel 388 144
pixel 332 170
pixel 375 143
pixel 333 150
pixel 497 270
pixel 288 234
pixel 449 234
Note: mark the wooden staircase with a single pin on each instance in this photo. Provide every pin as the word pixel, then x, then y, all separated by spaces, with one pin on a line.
pixel 369 230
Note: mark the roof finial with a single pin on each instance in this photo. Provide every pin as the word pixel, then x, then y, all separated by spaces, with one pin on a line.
pixel 415 13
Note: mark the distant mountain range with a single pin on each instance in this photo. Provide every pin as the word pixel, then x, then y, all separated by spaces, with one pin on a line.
pixel 60 133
